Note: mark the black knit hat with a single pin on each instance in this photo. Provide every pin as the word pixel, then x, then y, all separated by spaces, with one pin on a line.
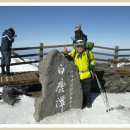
pixel 11 30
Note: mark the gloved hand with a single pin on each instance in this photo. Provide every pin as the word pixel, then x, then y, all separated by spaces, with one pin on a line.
pixel 91 67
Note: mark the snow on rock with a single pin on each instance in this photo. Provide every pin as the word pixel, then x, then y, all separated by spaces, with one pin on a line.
pixel 122 64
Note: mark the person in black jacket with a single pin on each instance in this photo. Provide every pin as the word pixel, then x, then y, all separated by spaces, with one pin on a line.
pixel 6 44
pixel 79 35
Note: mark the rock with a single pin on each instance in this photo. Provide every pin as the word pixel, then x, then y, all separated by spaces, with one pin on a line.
pixel 110 80
pixel 123 60
pixel 61 88
pixel 10 95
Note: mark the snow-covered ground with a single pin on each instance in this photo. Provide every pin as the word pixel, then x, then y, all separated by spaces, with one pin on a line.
pixel 24 67
pixel 22 112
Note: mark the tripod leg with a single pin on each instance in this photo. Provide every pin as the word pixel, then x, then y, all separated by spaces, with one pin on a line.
pixel 0 96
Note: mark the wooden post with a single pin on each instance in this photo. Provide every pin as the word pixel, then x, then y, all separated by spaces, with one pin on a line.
pixel 116 56
pixel 41 52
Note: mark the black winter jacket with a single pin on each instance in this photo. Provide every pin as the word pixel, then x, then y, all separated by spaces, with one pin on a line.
pixel 79 35
pixel 6 41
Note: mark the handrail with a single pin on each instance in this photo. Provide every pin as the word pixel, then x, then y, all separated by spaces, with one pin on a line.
pixel 42 53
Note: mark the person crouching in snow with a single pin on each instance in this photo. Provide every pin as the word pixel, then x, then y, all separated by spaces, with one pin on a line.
pixel 84 60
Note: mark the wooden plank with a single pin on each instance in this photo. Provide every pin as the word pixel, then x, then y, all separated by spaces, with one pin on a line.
pixel 21 80
pixel 0 79
pixel 26 48
pixel 99 53
pixel 124 49
pixel 3 80
pixel 34 76
pixel 56 46
pixel 108 48
pixel 26 55
pixel 124 55
pixel 21 63
pixel 9 79
pixel 25 78
pixel 30 79
pixel 30 74
pixel 17 78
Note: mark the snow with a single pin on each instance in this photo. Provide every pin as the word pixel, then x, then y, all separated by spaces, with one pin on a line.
pixel 96 114
pixel 122 64
pixel 22 112
pixel 24 67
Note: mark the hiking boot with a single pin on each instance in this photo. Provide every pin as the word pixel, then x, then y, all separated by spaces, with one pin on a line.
pixel 3 73
pixel 7 70
pixel 2 70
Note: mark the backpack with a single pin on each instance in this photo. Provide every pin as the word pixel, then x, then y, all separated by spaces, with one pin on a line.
pixel 89 45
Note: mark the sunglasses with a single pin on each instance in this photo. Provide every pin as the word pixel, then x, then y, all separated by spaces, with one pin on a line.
pixel 80 46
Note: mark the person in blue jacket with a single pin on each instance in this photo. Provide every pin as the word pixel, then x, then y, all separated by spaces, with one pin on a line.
pixel 8 37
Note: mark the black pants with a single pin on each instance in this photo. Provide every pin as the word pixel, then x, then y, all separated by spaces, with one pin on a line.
pixel 86 87
pixel 6 58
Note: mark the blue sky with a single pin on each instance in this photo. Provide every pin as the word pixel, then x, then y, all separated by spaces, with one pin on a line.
pixel 104 25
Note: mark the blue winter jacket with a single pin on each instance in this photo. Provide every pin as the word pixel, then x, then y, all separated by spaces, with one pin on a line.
pixel 6 41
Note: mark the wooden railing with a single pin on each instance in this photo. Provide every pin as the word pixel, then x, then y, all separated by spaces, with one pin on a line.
pixel 115 54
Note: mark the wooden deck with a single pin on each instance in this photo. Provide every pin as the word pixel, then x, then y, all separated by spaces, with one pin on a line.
pixel 19 78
